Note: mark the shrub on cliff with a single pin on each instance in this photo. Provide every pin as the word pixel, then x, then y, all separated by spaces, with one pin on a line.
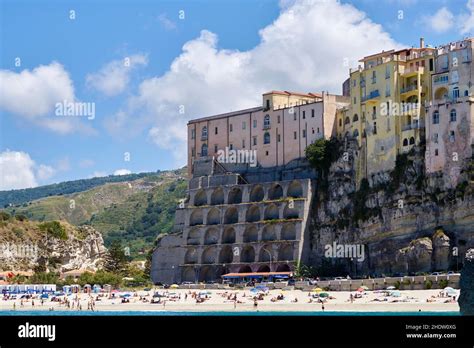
pixel 54 229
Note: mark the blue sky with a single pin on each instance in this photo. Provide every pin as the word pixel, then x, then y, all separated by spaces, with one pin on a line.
pixel 214 57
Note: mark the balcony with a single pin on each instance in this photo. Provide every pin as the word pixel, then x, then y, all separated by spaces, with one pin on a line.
pixel 413 71
pixel 409 89
pixel 266 126
pixel 203 137
pixel 440 79
pixel 374 94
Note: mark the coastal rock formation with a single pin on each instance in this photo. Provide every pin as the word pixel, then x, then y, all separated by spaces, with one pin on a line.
pixel 440 250
pixel 416 256
pixel 466 299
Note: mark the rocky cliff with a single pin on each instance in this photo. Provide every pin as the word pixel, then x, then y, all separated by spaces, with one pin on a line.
pixel 405 221
pixel 466 299
pixel 51 246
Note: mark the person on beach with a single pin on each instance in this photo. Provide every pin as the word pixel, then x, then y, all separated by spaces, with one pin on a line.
pixel 322 306
pixel 14 306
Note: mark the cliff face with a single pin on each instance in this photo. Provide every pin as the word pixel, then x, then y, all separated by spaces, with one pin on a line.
pixel 26 245
pixel 466 298
pixel 403 218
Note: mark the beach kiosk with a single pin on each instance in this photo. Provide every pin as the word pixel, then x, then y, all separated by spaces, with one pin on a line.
pixel 96 288
pixel 87 289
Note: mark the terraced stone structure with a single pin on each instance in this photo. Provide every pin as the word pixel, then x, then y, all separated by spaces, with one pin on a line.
pixel 230 226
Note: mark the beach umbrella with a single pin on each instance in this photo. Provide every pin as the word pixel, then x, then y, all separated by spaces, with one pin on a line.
pixel 364 287
pixel 360 289
pixel 317 290
pixel 391 288
pixel 396 293
pixel 450 290
pixel 174 286
pixel 324 294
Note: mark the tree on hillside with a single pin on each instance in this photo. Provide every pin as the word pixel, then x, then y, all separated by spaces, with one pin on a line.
pixel 115 260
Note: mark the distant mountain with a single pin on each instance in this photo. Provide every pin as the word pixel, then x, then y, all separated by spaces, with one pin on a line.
pixel 16 197
pixel 133 211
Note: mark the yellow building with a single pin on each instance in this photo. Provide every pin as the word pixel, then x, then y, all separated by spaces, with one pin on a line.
pixel 386 115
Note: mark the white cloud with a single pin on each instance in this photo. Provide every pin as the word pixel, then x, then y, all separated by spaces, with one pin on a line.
pixel 304 49
pixel 114 77
pixel 441 21
pixel 466 20
pixel 98 174
pixel 122 172
pixel 18 171
pixel 32 95
pixel 165 22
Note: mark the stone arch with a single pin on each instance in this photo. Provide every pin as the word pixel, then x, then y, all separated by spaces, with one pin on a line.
pixel 188 274
pixel 217 196
pixel 209 255
pixel 213 217
pixel 207 273
pixel 211 236
pixel 275 192
pixel 226 255
pixel 295 189
pixel 283 268
pixel 412 140
pixel 405 142
pixel 228 236
pixel 191 256
pixel 263 269
pixel 271 212
pixel 248 254
pixel 355 118
pixel 200 198
pixel 196 218
pixel 266 254
pixel 257 194
pixel 253 214
pixel 347 120
pixel 250 234
pixel 231 216
pixel 288 232
pixel 441 93
pixel 269 233
pixel 290 213
pixel 285 253
pixel 245 269
pixel 194 237
pixel 235 196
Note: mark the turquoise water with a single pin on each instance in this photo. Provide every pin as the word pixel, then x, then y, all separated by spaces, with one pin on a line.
pixel 247 314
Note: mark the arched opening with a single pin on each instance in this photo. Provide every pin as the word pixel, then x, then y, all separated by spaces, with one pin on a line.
pixel 226 255
pixel 231 216
pixel 283 268
pixel 191 256
pixel 412 141
pixel 207 273
pixel 271 212
pixel 266 254
pixel 263 269
pixel 188 274
pixel 266 121
pixel 217 196
pixel 248 254
pixel 204 150
pixel 235 196
pixel 250 234
pixel 214 217
pixel 405 142
pixel 275 192
pixel 194 237
pixel 266 138
pixel 196 218
pixel 441 93
pixel 257 194
pixel 200 198
pixel 228 236
pixel 269 233
pixel 290 213
pixel 245 269
pixel 347 120
pixel 253 214
pixel 288 232
pixel 209 255
pixel 436 117
pixel 211 236
pixel 355 118
pixel 295 189
pixel 204 132
pixel 285 253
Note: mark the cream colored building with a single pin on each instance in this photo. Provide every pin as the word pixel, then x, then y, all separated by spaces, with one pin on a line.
pixel 279 130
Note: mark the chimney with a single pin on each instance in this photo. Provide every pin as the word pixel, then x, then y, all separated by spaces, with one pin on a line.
pixel 422 42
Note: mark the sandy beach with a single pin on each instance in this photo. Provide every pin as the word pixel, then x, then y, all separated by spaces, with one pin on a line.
pixel 177 300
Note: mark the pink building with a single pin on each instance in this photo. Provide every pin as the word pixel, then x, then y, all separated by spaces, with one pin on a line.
pixel 449 124
pixel 278 132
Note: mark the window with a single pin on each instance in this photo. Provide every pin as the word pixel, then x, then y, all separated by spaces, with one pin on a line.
pixel 295 135
pixel 318 129
pixel 294 115
pixel 268 104
pixel 216 130
pixel 243 143
pixel 254 141
pixel 452 116
pixel 347 120
pixel 278 138
pixel 244 125
pixel 312 112
pixel 304 133
pixel 304 114
pixel 436 152
pixel 193 151
pixel 312 130
pixel 354 83
pixel 387 89
pixel 388 124
pixel 356 133
pixel 405 142
pixel 387 71
pixel 340 122
pixel 412 141
pixel 254 123
pixel 266 122
pixel 355 118
pixel 431 64
pixel 374 77
pixel 204 150
pixel 230 127
pixel 436 117
pixel 278 118
pixel 204 132
pixel 266 138
pixel 435 138
pixel 375 127
pixel 193 133
pixel 452 136
pixel 231 146
pixel 455 92
pixel 266 153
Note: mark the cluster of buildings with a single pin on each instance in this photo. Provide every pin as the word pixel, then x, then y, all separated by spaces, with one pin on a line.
pixel 247 216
